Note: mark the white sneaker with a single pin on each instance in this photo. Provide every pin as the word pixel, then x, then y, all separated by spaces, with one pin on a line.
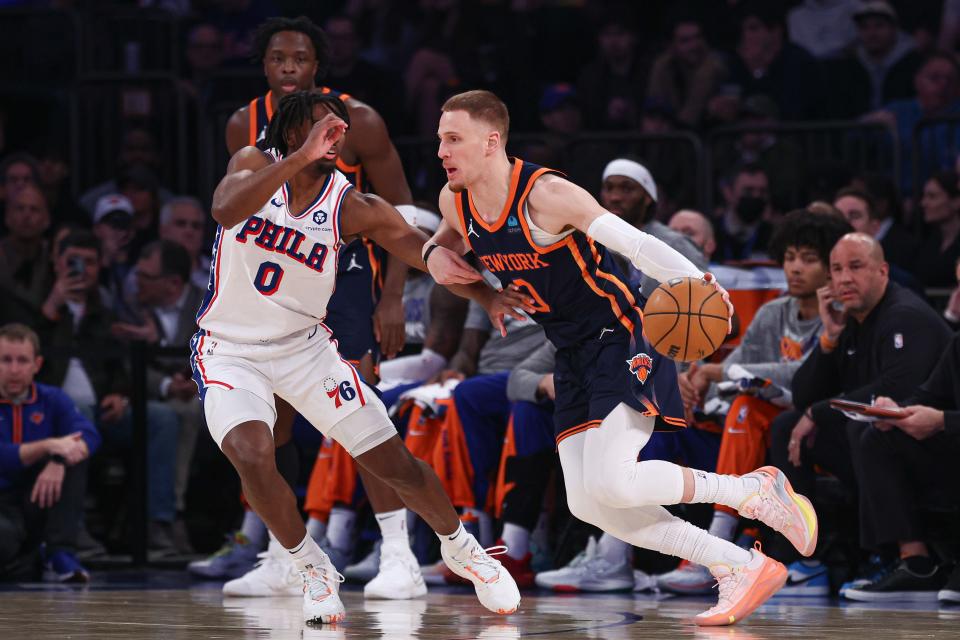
pixel 494 585
pixel 274 575
pixel 399 576
pixel 321 598
pixel 434 574
pixel 643 581
pixel 687 579
pixel 588 571
pixel 365 570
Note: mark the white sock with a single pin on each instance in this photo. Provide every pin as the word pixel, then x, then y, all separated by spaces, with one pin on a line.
pixel 730 491
pixel 316 528
pixel 684 540
pixel 393 527
pixel 723 525
pixel 306 554
pixel 454 542
pixel 517 540
pixel 340 528
pixel 612 549
pixel 254 528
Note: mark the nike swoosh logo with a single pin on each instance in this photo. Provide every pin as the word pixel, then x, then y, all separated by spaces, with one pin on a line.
pixel 416 433
pixel 792 583
pixel 732 430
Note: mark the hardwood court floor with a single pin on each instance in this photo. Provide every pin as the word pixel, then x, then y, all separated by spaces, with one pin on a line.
pixel 147 607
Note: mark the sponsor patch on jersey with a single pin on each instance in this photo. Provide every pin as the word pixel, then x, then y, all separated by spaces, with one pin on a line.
pixel 36 417
pixel 319 216
pixel 640 365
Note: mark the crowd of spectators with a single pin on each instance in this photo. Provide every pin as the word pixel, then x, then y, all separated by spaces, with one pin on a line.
pixel 89 268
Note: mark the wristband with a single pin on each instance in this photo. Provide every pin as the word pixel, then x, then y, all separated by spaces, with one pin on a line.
pixel 826 343
pixel 426 254
pixel 58 459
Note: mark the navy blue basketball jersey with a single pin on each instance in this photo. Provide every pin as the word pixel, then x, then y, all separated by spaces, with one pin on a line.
pixel 577 288
pixel 259 115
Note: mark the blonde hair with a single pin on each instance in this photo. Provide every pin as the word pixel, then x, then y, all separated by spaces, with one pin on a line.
pixel 482 105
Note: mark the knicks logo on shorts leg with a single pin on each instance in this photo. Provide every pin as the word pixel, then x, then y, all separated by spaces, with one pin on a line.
pixel 339 392
pixel 640 365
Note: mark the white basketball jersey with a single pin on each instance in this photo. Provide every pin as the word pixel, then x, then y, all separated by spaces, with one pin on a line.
pixel 273 274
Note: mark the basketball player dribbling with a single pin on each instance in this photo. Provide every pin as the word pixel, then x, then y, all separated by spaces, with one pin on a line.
pixel 283 216
pixel 366 310
pixel 539 232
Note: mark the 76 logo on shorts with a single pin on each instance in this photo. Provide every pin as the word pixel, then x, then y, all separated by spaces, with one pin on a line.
pixel 339 392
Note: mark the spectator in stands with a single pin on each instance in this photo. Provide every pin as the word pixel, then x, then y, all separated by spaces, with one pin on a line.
pixel 877 336
pixel 364 80
pixel 780 336
pixel 937 86
pixel 183 220
pixel 167 303
pixel 17 171
pixel 204 57
pixel 687 73
pixel 77 317
pixel 766 64
pixel 629 191
pixel 907 465
pixel 612 85
pixel 138 147
pixel 745 221
pixel 823 27
pixel 113 226
pixel 24 255
pixel 562 118
pixel 53 172
pixel 952 311
pixel 936 259
pixel 878 70
pixel 43 471
pixel 860 209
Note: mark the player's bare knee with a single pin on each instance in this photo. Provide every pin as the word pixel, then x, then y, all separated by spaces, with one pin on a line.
pixel 250 451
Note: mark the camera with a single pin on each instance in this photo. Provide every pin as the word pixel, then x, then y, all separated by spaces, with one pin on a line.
pixel 76 265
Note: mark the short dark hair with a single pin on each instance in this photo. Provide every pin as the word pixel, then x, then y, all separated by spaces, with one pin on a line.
pixel 802 228
pixel 300 24
pixel 294 109
pixel 80 239
pixel 174 259
pixel 860 194
pixel 771 13
pixel 947 180
pixel 16 332
pixel 20 158
pixel 937 54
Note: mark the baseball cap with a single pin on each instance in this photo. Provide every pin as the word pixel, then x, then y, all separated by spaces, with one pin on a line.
pixel 875 8
pixel 557 95
pixel 112 204
pixel 634 171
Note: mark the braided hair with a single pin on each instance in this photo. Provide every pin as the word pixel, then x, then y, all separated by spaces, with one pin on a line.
pixel 294 109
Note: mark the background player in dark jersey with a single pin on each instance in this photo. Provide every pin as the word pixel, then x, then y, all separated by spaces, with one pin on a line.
pixel 366 311
pixel 538 231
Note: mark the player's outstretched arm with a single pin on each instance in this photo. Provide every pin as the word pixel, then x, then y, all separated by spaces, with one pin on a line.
pixel 253 177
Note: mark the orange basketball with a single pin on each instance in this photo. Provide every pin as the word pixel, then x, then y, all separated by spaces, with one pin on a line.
pixel 685 319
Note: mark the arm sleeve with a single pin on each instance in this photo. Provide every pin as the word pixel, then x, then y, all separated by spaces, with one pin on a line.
pixel 940 389
pixel 653 257
pixel 525 377
pixel 68 419
pixel 10 458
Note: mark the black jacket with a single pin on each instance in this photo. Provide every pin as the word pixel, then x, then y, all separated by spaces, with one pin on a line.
pixel 942 388
pixel 891 353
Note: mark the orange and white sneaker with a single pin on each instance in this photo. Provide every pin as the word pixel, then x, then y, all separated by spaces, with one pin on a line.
pixel 321 597
pixel 777 506
pixel 743 589
pixel 494 585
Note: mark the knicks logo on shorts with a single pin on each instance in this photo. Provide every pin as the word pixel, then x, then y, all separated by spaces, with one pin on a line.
pixel 339 392
pixel 640 365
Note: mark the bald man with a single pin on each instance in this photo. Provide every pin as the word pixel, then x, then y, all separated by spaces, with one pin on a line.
pixel 878 339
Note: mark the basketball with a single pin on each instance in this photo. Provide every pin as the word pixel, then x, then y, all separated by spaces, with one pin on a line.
pixel 685 319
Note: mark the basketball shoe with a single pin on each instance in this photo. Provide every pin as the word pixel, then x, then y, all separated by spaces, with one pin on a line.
pixel 589 571
pixel 521 569
pixel 399 575
pixel 321 597
pixel 365 570
pixel 743 589
pixel 495 587
pixel 687 579
pixel 806 578
pixel 777 506
pixel 274 575
pixel 236 557
pixel 950 594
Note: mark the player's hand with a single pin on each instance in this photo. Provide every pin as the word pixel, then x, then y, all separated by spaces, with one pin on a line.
pixel 112 407
pixel 446 267
pixel 505 303
pixel 47 488
pixel 688 391
pixel 922 422
pixel 446 374
pixel 834 320
pixel 389 326
pixel 546 388
pixel 806 430
pixel 325 133
pixel 71 448
pixel 725 296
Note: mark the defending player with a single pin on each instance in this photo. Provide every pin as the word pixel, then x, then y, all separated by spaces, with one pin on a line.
pixel 544 234
pixel 262 333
